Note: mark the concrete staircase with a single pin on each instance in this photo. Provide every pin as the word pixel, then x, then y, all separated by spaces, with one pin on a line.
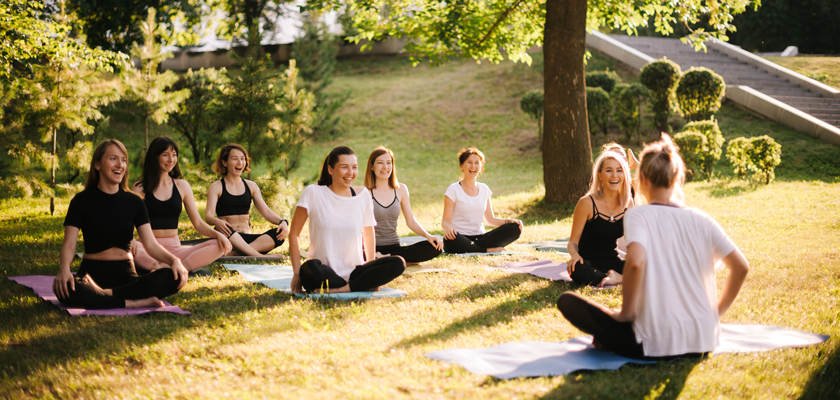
pixel 736 72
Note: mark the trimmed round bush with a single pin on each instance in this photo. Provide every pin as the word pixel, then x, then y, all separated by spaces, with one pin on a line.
pixel 532 104
pixel 603 79
pixel 693 147
pixel 661 77
pixel 714 141
pixel 627 101
pixel 598 108
pixel 699 93
pixel 736 153
pixel 764 154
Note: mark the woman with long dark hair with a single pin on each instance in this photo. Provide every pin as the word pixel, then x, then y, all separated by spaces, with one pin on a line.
pixel 161 179
pixel 229 205
pixel 381 180
pixel 340 228
pixel 107 213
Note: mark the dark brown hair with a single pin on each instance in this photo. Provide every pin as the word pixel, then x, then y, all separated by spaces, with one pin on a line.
pixel 150 176
pixel 330 161
pixel 224 154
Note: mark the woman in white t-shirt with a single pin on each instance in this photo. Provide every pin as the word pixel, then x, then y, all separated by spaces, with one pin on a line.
pixel 467 205
pixel 341 226
pixel 669 307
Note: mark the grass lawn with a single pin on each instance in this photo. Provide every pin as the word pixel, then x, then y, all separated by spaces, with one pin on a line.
pixel 823 69
pixel 245 340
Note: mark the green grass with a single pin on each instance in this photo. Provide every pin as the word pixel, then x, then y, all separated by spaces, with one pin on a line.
pixel 244 340
pixel 823 69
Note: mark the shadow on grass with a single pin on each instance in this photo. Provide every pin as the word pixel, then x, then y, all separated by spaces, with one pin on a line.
pixel 504 312
pixel 825 382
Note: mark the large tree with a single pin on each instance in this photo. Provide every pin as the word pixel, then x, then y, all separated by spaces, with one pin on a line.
pixel 497 29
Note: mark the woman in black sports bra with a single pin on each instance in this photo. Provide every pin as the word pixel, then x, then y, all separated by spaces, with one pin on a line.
pixel 161 178
pixel 597 223
pixel 229 206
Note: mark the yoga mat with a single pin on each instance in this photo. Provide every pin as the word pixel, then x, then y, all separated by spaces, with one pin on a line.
pixel 531 359
pixel 409 240
pixel 280 277
pixel 42 286
pixel 558 245
pixel 424 268
pixel 546 269
pixel 492 253
pixel 273 257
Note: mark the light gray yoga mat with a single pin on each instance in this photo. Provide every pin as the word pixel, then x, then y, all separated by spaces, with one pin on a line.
pixel 409 240
pixel 280 277
pixel 559 245
pixel 531 359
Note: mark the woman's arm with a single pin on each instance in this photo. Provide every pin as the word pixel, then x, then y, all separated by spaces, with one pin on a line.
pixel 161 255
pixel 411 221
pixel 270 216
pixel 298 221
pixel 213 193
pixel 634 267
pixel 68 251
pixel 198 223
pixel 490 217
pixel 446 221
pixel 738 269
pixel 369 241
pixel 583 213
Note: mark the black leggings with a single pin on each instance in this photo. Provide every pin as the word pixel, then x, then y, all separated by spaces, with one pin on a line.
pixel 314 275
pixel 121 277
pixel 593 273
pixel 415 253
pixel 612 335
pixel 499 237
pixel 251 237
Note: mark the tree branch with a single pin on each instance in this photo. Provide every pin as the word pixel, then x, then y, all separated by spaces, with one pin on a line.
pixel 499 21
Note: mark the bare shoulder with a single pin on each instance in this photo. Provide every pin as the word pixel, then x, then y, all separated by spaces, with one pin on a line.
pixel 402 190
pixel 360 189
pixel 584 204
pixel 138 189
pixel 252 185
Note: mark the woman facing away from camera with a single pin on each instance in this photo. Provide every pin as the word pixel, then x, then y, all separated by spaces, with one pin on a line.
pixel 341 226
pixel 389 198
pixel 161 179
pixel 229 205
pixel 467 206
pixel 107 213
pixel 669 305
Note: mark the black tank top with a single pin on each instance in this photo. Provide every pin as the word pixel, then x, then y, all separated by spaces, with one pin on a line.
pixel 234 205
pixel 164 214
pixel 597 241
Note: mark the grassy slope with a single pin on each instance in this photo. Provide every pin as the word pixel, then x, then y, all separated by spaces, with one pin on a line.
pixel 244 340
pixel 823 69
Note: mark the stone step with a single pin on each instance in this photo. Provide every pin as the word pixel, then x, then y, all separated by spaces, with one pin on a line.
pixel 756 83
pixel 785 92
pixel 804 99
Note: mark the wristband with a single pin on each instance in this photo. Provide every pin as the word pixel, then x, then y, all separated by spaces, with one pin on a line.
pixel 281 221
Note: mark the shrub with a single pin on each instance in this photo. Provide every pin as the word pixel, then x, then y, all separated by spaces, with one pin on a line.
pixel 661 77
pixel 532 104
pixel 693 149
pixel 598 108
pixel 24 188
pixel 736 153
pixel 714 142
pixel 699 93
pixel 603 79
pixel 764 155
pixel 627 103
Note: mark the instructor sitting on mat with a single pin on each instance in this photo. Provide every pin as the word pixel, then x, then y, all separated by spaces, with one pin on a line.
pixel 161 178
pixel 106 213
pixel 597 224
pixel 341 225
pixel 381 180
pixel 669 307
pixel 466 204
pixel 231 213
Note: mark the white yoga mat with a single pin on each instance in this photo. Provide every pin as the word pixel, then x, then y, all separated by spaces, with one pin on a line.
pixel 280 277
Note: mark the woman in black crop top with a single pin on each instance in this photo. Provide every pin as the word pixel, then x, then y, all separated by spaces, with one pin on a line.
pixel 597 223
pixel 229 205
pixel 162 179
pixel 106 213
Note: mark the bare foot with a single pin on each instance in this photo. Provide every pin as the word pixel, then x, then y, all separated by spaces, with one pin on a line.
pixel 144 303
pixel 613 278
pixel 495 249
pixel 89 281
pixel 379 255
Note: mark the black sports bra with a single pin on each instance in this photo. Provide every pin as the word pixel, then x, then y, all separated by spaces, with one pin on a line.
pixel 164 214
pixel 234 205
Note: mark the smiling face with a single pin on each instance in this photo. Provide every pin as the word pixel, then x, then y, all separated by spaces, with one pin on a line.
pixel 112 166
pixel 472 167
pixel 236 163
pixel 168 160
pixel 345 171
pixel 382 166
pixel 611 175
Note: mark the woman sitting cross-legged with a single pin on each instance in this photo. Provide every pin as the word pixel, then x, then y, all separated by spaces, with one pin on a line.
pixel 381 180
pixel 340 225
pixel 229 205
pixel 597 223
pixel 162 179
pixel 106 213
pixel 668 307
pixel 466 205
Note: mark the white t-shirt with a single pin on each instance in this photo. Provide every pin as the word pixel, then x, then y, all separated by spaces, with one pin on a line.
pixel 676 312
pixel 335 227
pixel 468 218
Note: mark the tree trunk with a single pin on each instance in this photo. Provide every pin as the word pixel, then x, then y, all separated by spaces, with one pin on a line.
pixel 52 173
pixel 567 153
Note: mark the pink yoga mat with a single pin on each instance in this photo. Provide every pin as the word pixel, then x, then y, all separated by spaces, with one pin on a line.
pixel 42 286
pixel 544 269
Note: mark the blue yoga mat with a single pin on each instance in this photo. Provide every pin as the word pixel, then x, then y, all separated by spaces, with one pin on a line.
pixel 530 359
pixel 280 277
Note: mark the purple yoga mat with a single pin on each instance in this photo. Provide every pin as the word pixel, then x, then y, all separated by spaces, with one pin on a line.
pixel 42 286
pixel 544 269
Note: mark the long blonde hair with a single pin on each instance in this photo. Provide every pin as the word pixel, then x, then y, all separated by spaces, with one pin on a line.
pixel 92 180
pixel 596 189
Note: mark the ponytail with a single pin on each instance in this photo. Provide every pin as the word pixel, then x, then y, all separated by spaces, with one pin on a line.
pixel 330 161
